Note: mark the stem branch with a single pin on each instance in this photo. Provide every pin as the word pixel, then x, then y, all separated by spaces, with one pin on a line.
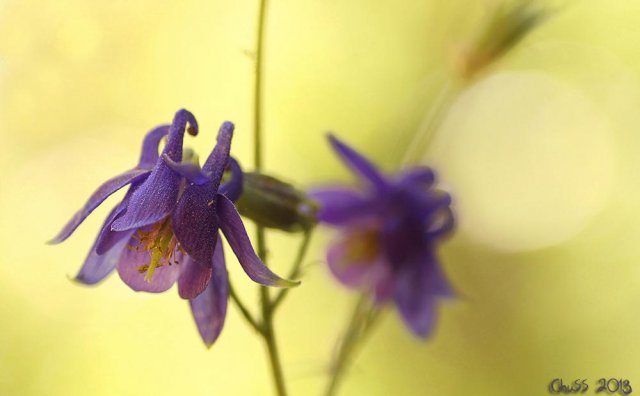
pixel 244 311
pixel 295 269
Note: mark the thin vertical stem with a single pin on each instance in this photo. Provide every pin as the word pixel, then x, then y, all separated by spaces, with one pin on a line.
pixel 429 124
pixel 362 321
pixel 258 86
pixel 267 313
pixel 272 346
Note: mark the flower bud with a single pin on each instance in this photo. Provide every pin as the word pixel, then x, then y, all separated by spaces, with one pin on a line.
pixel 275 204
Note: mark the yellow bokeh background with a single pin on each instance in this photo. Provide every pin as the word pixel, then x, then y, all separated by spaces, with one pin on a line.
pixel 540 154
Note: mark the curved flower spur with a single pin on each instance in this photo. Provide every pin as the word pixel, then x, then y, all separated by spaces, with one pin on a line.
pixel 165 228
pixel 389 233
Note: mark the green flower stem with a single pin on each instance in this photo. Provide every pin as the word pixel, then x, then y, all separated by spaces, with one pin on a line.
pixel 270 341
pixel 431 122
pixel 267 313
pixel 363 318
pixel 244 311
pixel 257 93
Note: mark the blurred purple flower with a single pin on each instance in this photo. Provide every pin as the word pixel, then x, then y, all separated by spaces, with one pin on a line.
pixel 166 227
pixel 390 228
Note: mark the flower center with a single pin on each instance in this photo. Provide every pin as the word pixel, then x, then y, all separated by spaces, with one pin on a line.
pixel 161 244
pixel 362 247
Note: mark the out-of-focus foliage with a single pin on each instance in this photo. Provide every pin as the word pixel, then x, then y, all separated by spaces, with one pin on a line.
pixel 540 155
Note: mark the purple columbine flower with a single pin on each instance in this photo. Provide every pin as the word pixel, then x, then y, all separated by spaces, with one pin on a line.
pixel 165 230
pixel 390 228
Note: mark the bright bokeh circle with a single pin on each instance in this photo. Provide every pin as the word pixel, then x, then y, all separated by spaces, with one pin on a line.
pixel 530 159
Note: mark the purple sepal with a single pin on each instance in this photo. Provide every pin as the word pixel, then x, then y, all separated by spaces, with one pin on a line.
pixel 236 235
pixel 107 238
pixel 195 223
pixel 97 266
pixel 209 308
pixel 103 192
pixel 194 278
pixel 338 206
pixel 361 166
pixel 418 286
pixel 153 201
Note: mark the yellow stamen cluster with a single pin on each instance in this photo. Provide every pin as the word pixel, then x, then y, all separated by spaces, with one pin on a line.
pixel 161 244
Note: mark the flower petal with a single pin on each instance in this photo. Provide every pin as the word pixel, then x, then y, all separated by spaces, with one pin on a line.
pixel 418 314
pixel 149 155
pixel 193 279
pixel 423 176
pixel 232 189
pixel 195 223
pixel 442 224
pixel 130 262
pixel 188 170
pixel 107 237
pixel 209 308
pixel 418 286
pixel 349 270
pixel 236 235
pixel 157 196
pixel 339 205
pixel 219 157
pixel 173 148
pixel 361 166
pixel 97 266
pixel 103 192
pixel 152 201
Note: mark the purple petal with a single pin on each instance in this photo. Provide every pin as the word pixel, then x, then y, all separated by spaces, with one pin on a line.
pixel 361 166
pixel 188 170
pixel 219 157
pixel 152 201
pixel 418 286
pixel 131 260
pixel 157 196
pixel 442 224
pixel 233 187
pixel 173 148
pixel 418 314
pixel 102 193
pixel 96 267
pixel 209 309
pixel 236 235
pixel 194 278
pixel 423 176
pixel 351 261
pixel 107 237
pixel 149 155
pixel 195 223
pixel 339 205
